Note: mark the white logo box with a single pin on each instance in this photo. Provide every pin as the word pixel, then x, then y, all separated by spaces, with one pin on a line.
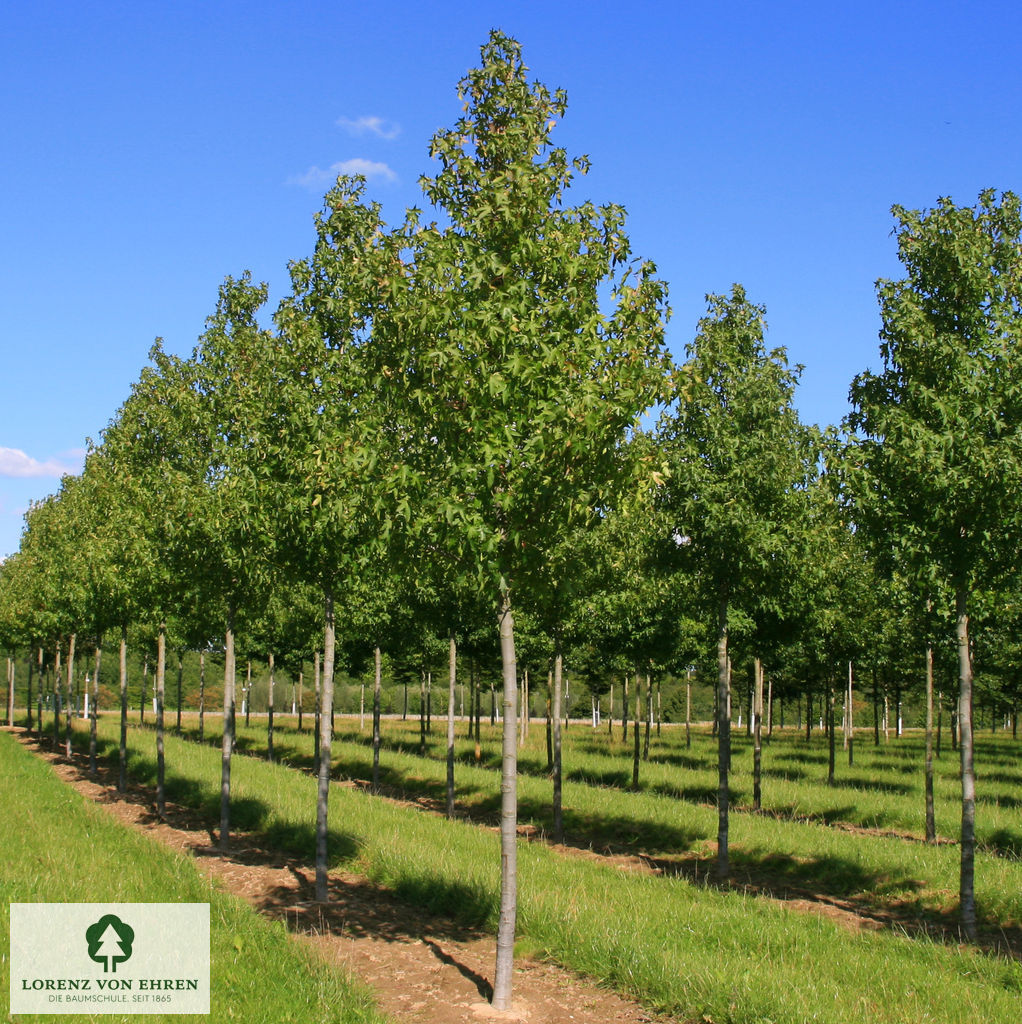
pixel 109 958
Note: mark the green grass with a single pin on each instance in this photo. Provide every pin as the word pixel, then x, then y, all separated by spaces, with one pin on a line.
pixel 57 847
pixel 689 949
pixel 800 842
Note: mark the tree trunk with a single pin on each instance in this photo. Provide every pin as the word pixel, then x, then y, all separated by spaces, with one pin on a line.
pixel 377 694
pixel 940 719
pixel 301 696
pixel 161 680
pixel 723 737
pixel 452 686
pixel 549 723
pixel 56 696
pixel 180 674
pixel 624 710
pixel 636 734
pixel 809 715
pixel 228 736
pixel 28 696
pixel 688 710
pixel 610 710
pixel 248 692
pixel 757 735
pixel 93 712
pixel 649 717
pixel 508 813
pixel 931 825
pixel 851 719
pixel 67 702
pixel 317 727
pixel 478 687
pixel 10 694
pixel 145 678
pixel 830 734
pixel 966 890
pixel 422 713
pixel 659 708
pixel 555 716
pixel 202 695
pixel 269 710
pixel 325 738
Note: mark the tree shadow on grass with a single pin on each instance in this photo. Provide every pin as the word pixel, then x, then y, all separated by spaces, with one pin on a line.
pixel 999 800
pixel 802 757
pixel 784 774
pixel 878 785
pixel 827 816
pixel 705 796
pixel 1006 778
pixel 1002 843
pixel 248 814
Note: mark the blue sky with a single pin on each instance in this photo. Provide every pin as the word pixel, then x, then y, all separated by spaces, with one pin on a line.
pixel 151 149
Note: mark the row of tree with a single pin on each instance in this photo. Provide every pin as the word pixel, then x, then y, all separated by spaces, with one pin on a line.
pixel 441 429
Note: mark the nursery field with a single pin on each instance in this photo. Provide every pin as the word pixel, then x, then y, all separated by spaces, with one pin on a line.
pixel 65 849
pixel 836 909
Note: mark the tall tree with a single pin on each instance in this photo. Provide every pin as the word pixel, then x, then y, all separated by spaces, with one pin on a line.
pixel 939 445
pixel 514 386
pixel 738 462
pixel 329 453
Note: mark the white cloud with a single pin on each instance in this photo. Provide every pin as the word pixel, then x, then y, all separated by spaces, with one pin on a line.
pixel 316 177
pixel 14 462
pixel 370 125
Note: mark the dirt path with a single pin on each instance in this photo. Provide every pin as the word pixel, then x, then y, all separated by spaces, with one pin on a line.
pixel 423 970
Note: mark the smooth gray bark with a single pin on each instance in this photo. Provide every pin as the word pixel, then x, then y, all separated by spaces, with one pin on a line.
pixel 555 737
pixel 377 691
pixel 757 735
pixel 317 725
pixel 452 676
pixel 93 714
pixel 180 676
pixel 122 776
pixel 161 678
pixel 56 696
pixel 67 695
pixel 723 738
pixel 508 811
pixel 830 735
pixel 967 895
pixel 636 735
pixel 10 692
pixel 325 738
pixel 269 710
pixel 850 718
pixel 688 710
pixel 202 694
pixel 227 745
pixel 931 824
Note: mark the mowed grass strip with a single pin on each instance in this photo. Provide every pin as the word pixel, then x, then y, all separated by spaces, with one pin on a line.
pixel 58 847
pixel 686 949
pixel 786 852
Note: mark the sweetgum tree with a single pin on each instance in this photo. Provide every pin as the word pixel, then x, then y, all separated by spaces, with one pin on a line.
pixel 514 387
pixel 936 470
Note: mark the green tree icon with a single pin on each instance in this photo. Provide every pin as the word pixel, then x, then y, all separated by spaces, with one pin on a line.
pixel 109 942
